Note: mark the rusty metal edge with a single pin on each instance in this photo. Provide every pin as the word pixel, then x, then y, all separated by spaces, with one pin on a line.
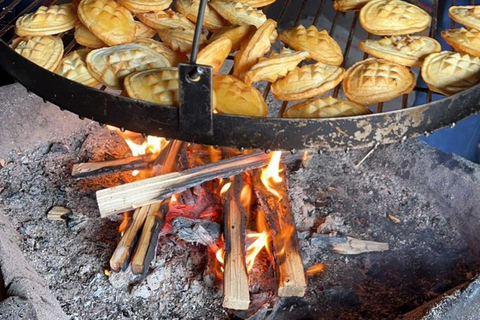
pixel 237 131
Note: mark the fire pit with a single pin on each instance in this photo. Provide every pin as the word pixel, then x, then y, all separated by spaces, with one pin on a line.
pixel 426 221
pixel 364 227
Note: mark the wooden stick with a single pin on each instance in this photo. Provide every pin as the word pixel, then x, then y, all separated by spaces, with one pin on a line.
pixel 279 218
pixel 130 163
pixel 235 278
pixel 120 256
pixel 148 240
pixel 358 246
pixel 140 193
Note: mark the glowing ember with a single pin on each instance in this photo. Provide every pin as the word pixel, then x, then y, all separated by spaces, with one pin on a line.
pixel 271 174
pixel 316 268
pixel 174 199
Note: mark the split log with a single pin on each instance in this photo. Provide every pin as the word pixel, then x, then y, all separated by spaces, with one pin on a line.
pixel 58 213
pixel 119 259
pixel 235 278
pixel 279 219
pixel 357 246
pixel 130 163
pixel 148 240
pixel 140 193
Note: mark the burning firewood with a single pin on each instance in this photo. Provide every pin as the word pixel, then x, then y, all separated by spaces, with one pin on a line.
pixel 149 219
pixel 148 241
pixel 126 244
pixel 235 278
pixel 130 163
pixel 273 199
pixel 140 193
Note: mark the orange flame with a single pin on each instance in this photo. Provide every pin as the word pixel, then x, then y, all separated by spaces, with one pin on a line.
pixel 225 188
pixel 271 174
pixel 125 220
pixel 261 239
pixel 314 269
pixel 107 272
pixel 246 197
pixel 150 145
pixel 283 239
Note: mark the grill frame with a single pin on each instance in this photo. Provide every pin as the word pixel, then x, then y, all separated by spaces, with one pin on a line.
pixel 238 131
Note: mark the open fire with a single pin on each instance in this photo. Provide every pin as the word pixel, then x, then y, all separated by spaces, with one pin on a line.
pixel 253 206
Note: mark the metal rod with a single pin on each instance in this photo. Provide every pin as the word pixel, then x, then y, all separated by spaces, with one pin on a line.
pixel 404 100
pixel 300 12
pixel 380 107
pixel 70 46
pixel 432 33
pixel 347 48
pixel 198 31
pixel 334 23
pixel 282 12
pixel 365 55
pixel 319 11
pixel 9 8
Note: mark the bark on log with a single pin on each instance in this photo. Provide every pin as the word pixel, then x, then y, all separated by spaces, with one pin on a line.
pixel 147 243
pixel 280 221
pixel 131 163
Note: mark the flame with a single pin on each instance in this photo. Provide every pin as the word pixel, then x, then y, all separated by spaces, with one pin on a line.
pixel 261 224
pixel 271 174
pixel 125 220
pixel 220 254
pixel 261 240
pixel 152 145
pixel 107 272
pixel 173 199
pixel 283 239
pixel 225 188
pixel 314 269
pixel 246 197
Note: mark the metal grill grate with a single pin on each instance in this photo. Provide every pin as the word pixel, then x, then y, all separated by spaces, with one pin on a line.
pixel 269 133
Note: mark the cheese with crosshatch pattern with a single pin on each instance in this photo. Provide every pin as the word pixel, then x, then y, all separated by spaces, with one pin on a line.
pixel 154 85
pixel 377 80
pixel 47 21
pixel 328 107
pixel 318 44
pixel 463 40
pixel 46 51
pixel 308 81
pixel 450 72
pixel 238 13
pixel 393 17
pixel 109 21
pixel 235 97
pixel 74 67
pixel 111 65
